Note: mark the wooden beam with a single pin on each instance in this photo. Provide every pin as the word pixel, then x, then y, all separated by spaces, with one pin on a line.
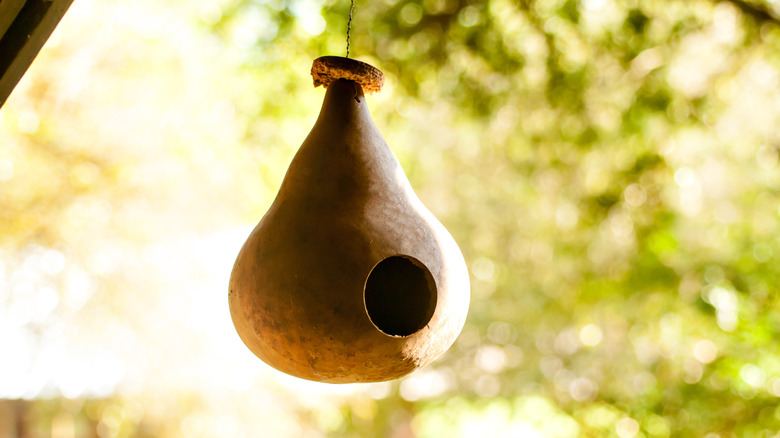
pixel 9 9
pixel 29 29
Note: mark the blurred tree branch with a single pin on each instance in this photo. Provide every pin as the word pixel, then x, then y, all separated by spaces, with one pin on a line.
pixel 760 13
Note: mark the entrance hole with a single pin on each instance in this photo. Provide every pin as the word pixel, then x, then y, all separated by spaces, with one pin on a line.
pixel 400 295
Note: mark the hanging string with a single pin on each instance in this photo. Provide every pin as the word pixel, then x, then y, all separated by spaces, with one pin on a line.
pixel 349 22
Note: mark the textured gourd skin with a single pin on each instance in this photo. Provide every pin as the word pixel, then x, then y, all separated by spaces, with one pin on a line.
pixel 296 290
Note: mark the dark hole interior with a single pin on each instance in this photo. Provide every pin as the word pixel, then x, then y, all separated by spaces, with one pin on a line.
pixel 400 296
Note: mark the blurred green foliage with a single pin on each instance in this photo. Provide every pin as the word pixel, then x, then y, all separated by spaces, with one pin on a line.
pixel 601 165
pixel 609 169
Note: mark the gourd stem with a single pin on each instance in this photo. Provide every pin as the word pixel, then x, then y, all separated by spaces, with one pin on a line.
pixel 327 69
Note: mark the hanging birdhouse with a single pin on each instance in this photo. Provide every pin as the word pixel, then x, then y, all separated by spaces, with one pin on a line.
pixel 348 277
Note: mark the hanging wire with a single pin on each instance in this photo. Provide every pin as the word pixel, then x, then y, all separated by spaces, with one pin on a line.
pixel 349 22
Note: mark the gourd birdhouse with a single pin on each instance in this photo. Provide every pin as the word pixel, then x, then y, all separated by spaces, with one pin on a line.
pixel 348 277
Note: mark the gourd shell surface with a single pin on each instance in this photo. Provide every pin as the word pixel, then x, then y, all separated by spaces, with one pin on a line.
pixel 345 205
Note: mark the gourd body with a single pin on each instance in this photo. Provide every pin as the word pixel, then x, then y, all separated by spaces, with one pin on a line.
pixel 299 291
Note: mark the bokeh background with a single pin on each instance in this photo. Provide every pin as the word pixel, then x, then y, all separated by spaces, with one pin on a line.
pixel 609 169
